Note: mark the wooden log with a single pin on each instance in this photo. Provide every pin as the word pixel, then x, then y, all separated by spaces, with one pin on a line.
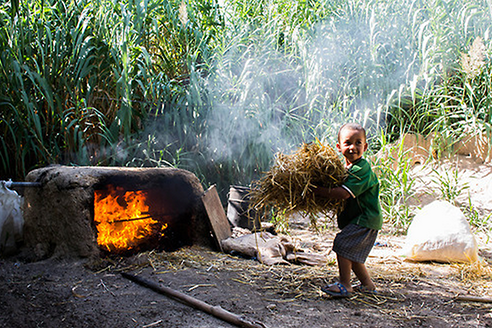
pixel 467 298
pixel 216 311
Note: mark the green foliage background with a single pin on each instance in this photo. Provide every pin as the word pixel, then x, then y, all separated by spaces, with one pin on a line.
pixel 217 87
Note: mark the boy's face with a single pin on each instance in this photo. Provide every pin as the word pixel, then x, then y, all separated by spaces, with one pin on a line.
pixel 352 144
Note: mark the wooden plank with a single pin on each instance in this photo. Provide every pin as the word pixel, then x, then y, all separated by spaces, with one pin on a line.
pixel 217 216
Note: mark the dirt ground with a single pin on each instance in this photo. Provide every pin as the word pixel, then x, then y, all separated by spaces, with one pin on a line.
pixel 87 293
pixel 80 293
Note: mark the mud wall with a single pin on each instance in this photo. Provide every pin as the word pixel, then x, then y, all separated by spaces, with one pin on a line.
pixel 59 214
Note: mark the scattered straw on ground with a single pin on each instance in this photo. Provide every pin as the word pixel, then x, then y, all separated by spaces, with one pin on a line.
pixel 289 283
pixel 282 283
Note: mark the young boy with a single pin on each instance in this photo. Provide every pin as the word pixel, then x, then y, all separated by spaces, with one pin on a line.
pixel 361 218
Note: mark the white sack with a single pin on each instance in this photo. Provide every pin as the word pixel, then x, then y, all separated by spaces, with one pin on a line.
pixel 11 220
pixel 440 232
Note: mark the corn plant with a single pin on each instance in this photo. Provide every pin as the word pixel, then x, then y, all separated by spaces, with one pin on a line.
pixel 396 185
pixel 478 219
pixel 82 77
pixel 450 185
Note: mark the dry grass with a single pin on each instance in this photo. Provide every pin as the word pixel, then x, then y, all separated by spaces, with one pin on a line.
pixel 289 282
pixel 289 184
pixel 475 272
pixel 397 280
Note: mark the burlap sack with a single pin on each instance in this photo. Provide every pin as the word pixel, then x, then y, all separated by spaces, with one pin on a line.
pixel 440 232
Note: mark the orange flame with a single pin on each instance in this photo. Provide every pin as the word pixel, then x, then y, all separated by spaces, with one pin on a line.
pixel 116 215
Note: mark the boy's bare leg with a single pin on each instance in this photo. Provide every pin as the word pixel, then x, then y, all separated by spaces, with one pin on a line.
pixel 363 275
pixel 345 271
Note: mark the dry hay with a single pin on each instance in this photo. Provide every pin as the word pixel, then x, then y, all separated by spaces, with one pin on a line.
pixel 454 278
pixel 289 283
pixel 279 283
pixel 476 272
pixel 289 184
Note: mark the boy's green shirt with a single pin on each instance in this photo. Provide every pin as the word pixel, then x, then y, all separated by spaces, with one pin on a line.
pixel 363 207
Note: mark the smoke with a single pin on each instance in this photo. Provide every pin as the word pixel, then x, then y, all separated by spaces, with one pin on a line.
pixel 266 97
pixel 273 89
pixel 252 112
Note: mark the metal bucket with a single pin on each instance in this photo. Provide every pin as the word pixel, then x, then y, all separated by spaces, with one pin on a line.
pixel 238 212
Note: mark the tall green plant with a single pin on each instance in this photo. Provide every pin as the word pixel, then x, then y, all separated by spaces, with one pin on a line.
pixel 393 168
pixel 81 77
pixel 446 94
pixel 219 87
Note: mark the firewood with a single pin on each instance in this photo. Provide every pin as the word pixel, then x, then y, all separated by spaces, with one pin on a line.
pixel 467 298
pixel 216 311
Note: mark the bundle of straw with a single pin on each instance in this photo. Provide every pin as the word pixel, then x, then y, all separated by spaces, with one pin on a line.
pixel 290 183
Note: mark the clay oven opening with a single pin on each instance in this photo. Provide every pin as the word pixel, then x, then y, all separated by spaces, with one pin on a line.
pixel 127 221
pixel 92 211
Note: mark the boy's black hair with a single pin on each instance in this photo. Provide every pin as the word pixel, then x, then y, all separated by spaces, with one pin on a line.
pixel 352 126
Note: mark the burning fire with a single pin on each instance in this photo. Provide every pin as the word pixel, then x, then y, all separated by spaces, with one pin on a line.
pixel 122 219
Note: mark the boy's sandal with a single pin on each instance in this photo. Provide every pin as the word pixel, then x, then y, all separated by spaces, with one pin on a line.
pixel 364 290
pixel 342 291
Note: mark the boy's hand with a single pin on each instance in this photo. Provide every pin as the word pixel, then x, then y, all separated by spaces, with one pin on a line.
pixel 334 193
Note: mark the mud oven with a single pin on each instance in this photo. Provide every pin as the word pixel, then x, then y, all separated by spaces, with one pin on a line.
pixel 90 211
